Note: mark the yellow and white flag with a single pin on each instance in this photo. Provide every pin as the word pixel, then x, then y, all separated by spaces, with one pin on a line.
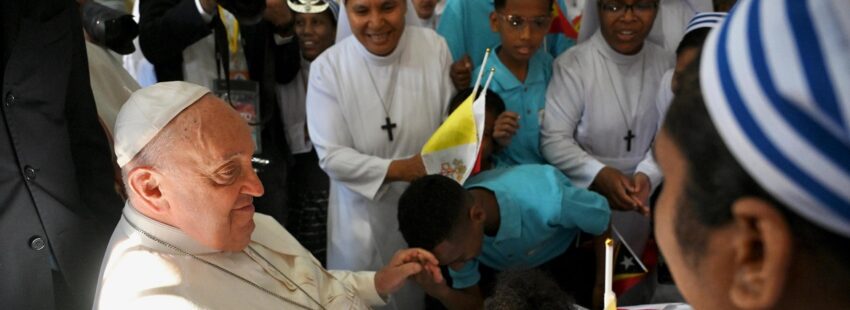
pixel 453 150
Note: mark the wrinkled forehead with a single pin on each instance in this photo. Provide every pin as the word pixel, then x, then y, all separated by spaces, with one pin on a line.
pixel 211 131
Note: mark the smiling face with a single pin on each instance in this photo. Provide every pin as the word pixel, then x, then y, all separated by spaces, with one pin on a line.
pixel 625 29
pixel 210 183
pixel 377 24
pixel 522 25
pixel 315 32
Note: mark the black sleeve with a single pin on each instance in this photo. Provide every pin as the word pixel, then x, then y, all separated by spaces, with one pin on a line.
pixel 287 61
pixel 167 27
pixel 90 150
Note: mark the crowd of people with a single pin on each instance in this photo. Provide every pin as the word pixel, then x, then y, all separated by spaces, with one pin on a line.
pixel 267 153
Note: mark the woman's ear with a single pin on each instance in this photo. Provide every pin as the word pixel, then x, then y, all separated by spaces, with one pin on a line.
pixel 145 184
pixel 763 245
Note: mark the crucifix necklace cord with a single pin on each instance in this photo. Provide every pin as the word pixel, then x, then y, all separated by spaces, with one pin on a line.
pixel 267 291
pixel 389 126
pixel 629 125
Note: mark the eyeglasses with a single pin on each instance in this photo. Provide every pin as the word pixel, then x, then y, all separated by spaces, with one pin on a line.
pixel 538 23
pixel 621 8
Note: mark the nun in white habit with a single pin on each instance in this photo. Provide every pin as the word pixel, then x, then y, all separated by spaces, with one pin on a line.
pixel 373 100
pixel 600 116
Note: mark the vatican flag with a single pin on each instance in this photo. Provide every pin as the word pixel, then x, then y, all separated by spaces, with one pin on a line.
pixel 453 150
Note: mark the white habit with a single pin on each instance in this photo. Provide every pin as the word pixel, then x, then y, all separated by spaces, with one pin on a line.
pixel 141 273
pixel 595 97
pixel 345 115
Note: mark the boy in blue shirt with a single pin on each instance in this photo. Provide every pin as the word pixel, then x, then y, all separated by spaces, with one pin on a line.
pixel 521 78
pixel 518 217
pixel 465 24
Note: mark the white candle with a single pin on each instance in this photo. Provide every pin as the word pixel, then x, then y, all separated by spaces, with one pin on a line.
pixel 609 265
pixel 609 300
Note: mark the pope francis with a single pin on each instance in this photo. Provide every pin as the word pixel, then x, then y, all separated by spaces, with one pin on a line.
pixel 189 237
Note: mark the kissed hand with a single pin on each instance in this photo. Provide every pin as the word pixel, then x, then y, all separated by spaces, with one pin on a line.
pixel 404 264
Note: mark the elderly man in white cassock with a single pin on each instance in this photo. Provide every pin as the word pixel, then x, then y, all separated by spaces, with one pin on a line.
pixel 600 116
pixel 373 101
pixel 189 237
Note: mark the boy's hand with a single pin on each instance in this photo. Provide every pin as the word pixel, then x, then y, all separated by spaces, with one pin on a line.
pixel 404 264
pixel 505 128
pixel 461 72
pixel 617 187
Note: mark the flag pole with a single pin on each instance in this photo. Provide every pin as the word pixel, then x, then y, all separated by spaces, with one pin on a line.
pixel 626 244
pixel 489 79
pixel 480 73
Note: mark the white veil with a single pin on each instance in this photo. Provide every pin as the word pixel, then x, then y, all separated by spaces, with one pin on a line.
pixel 343 28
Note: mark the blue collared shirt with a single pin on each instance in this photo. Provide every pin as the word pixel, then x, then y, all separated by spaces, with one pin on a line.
pixel 465 24
pixel 526 99
pixel 540 215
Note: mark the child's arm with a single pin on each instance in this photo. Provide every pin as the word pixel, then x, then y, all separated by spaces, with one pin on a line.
pixel 599 286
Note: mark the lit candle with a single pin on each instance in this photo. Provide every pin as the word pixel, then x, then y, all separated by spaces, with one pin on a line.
pixel 610 300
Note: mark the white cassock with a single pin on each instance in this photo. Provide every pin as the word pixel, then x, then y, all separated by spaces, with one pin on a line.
pixel 111 85
pixel 345 114
pixel 139 272
pixel 595 97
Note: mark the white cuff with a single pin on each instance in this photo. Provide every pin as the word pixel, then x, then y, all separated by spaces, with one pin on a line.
pixel 365 287
pixel 278 40
pixel 650 169
pixel 587 172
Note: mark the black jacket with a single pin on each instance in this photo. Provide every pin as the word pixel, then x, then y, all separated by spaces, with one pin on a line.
pixel 56 173
pixel 167 27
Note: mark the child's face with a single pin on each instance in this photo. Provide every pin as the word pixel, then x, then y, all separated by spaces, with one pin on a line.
pixel 488 145
pixel 522 26
pixel 425 8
